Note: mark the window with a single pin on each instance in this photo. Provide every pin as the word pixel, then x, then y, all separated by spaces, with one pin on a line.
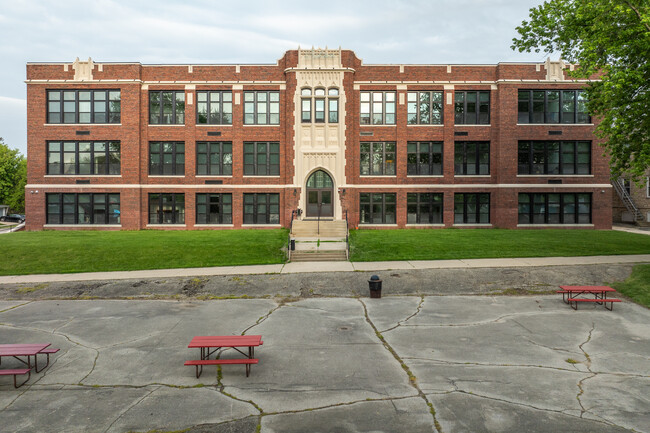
pixel 472 208
pixel 472 108
pixel 167 107
pixel 378 158
pixel 424 158
pixel 472 158
pixel 306 105
pixel 554 157
pixel 166 208
pixel 377 108
pixel 423 208
pixel 567 208
pixel 424 108
pixel 214 208
pixel 99 208
pixel 318 102
pixel 83 157
pixel 214 107
pixel 261 159
pixel 83 106
pixel 261 108
pixel 333 105
pixel 213 158
pixel 553 106
pixel 166 158
pixel 377 208
pixel 261 208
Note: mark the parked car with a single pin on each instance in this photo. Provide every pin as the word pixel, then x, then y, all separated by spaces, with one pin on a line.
pixel 13 218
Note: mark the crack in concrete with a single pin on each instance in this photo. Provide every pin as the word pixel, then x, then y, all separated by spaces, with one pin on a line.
pixel 480 323
pixel 407 370
pixel 15 306
pixel 347 403
pixel 417 311
pixel 561 412
pixel 129 408
pixel 587 364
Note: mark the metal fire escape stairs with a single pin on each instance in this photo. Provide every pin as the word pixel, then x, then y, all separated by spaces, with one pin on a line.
pixel 619 186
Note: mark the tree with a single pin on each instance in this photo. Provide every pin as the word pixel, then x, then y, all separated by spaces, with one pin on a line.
pixel 13 177
pixel 609 38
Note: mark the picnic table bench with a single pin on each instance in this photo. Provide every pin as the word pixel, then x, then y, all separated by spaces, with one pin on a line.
pixel 206 343
pixel 17 351
pixel 572 295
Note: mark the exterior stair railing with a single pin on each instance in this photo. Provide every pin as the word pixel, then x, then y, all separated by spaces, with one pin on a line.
pixel 347 237
pixel 619 186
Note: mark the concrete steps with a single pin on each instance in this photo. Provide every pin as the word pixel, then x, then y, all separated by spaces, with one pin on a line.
pixel 310 229
pixel 318 256
pixel 314 245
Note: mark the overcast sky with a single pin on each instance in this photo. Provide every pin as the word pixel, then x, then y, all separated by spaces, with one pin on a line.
pixel 249 31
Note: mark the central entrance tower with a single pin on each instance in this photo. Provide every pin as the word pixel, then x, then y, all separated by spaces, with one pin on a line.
pixel 319 131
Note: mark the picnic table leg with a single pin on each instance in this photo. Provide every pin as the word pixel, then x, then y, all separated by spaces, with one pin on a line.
pixel 29 374
pixel 198 373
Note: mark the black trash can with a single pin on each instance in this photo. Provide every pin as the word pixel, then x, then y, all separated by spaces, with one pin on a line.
pixel 293 245
pixel 374 284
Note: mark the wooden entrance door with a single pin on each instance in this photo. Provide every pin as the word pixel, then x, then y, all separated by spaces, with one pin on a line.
pixel 320 191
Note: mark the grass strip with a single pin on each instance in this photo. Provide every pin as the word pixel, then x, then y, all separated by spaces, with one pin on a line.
pixel 450 244
pixel 53 252
pixel 637 286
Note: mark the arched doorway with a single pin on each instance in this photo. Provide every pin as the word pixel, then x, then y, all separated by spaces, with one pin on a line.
pixel 320 190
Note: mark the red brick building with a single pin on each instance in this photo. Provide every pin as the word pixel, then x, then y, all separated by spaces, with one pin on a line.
pixel 131 146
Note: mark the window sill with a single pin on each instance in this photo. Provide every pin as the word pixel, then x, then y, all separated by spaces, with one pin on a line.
pixel 213 125
pixel 261 225
pixel 166 176
pixel 274 176
pixel 425 175
pixel 425 225
pixel 473 225
pixel 377 175
pixel 275 125
pixel 92 176
pixel 555 125
pixel 165 225
pixel 212 176
pixel 555 175
pixel 45 226
pixel 461 125
pixel 425 124
pixel 377 225
pixel 167 124
pixel 473 175
pixel 371 126
pixel 82 124
pixel 554 225
pixel 214 225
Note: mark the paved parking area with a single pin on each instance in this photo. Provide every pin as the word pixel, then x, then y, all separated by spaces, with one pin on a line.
pixel 398 364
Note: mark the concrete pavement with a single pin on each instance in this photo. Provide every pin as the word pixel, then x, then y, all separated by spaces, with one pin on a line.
pixel 397 364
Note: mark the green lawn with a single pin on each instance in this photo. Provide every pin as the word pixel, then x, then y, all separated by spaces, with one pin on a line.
pixel 637 286
pixel 416 244
pixel 92 251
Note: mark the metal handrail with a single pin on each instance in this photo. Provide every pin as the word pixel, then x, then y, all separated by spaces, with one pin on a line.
pixel 318 227
pixel 347 237
pixel 293 213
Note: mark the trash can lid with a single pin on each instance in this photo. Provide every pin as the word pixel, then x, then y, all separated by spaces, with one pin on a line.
pixel 374 278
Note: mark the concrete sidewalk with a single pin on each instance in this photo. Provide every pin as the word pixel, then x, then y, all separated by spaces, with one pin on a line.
pixel 319 267
pixel 402 364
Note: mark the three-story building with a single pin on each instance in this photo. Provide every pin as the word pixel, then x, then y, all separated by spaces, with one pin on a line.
pixel 132 146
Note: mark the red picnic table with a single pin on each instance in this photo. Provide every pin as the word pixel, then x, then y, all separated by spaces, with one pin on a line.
pixel 22 350
pixel 574 294
pixel 217 342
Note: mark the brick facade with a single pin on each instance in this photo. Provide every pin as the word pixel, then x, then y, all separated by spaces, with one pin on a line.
pixel 134 132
